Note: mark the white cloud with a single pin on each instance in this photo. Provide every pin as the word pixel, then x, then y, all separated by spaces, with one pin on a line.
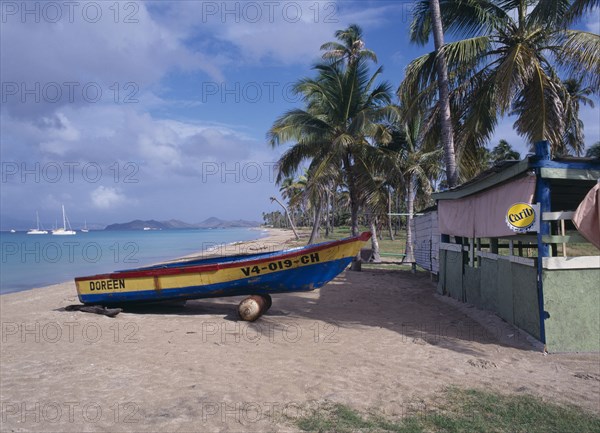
pixel 50 64
pixel 107 197
pixel 280 33
pixel 157 61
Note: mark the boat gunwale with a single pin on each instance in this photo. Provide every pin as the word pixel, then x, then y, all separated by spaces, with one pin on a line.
pixel 363 237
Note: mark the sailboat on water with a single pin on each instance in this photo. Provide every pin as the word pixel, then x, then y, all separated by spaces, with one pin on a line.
pixel 85 229
pixel 37 231
pixel 63 230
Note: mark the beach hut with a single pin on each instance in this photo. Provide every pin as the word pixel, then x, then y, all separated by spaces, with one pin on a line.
pixel 516 241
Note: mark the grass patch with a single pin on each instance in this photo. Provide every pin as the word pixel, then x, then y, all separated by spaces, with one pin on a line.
pixel 386 245
pixel 463 411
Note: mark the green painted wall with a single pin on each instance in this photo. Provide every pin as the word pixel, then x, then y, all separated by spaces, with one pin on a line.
pixel 454 273
pixel 451 274
pixel 504 285
pixel 441 285
pixel 471 282
pixel 506 288
pixel 489 284
pixel 572 298
pixel 526 310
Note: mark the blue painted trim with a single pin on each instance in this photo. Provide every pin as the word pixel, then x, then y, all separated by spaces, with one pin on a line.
pixel 305 278
pixel 542 196
pixel 542 149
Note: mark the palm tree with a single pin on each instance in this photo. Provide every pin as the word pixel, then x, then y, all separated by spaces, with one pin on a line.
pixel 427 19
pixel 503 151
pixel 343 109
pixel 574 96
pixel 594 151
pixel 508 63
pixel 287 213
pixel 288 191
pixel 352 47
pixel 415 161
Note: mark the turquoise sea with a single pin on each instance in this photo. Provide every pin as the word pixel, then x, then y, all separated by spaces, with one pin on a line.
pixel 30 261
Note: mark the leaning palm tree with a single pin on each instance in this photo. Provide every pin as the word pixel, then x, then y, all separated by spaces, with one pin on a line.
pixel 509 62
pixel 344 107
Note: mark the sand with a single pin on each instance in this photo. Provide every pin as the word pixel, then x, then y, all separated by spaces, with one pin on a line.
pixel 375 340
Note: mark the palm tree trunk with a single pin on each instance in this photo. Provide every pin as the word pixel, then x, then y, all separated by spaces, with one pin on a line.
pixel 444 93
pixel 314 234
pixel 410 204
pixel 397 203
pixel 375 255
pixel 356 261
pixel 333 208
pixel 356 264
pixel 389 212
pixel 352 190
pixel 354 216
pixel 288 216
pixel 327 213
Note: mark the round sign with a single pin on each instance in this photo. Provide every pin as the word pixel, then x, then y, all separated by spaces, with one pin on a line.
pixel 520 217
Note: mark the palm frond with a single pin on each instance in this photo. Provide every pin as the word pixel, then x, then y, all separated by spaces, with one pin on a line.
pixel 579 8
pixel 580 56
pixel 540 110
pixel 469 18
pixel 549 13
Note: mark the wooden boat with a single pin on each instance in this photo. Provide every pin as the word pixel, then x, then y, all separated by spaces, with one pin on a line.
pixel 293 270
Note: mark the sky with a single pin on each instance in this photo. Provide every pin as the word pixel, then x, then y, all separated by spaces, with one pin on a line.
pixel 159 110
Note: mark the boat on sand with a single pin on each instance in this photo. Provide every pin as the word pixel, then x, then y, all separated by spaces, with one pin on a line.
pixel 254 275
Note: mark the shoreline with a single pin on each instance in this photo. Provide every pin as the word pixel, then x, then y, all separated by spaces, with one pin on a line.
pixel 274 238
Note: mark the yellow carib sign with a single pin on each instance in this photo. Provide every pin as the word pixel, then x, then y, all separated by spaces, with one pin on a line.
pixel 520 217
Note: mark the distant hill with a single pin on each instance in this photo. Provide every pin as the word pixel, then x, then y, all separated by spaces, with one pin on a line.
pixel 216 223
pixel 210 223
pixel 137 225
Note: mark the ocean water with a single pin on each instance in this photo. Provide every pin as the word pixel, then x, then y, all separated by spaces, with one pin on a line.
pixel 30 261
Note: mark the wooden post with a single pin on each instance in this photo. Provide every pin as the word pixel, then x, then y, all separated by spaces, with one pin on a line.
pixel 494 245
pixel 562 233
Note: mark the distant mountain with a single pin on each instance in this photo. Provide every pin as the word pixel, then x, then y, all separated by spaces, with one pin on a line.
pixel 210 223
pixel 137 225
pixel 176 224
pixel 216 223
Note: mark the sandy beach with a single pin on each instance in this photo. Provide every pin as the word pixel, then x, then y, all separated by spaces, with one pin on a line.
pixel 376 340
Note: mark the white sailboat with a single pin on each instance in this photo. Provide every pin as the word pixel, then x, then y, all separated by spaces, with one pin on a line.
pixel 63 230
pixel 37 231
pixel 85 229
